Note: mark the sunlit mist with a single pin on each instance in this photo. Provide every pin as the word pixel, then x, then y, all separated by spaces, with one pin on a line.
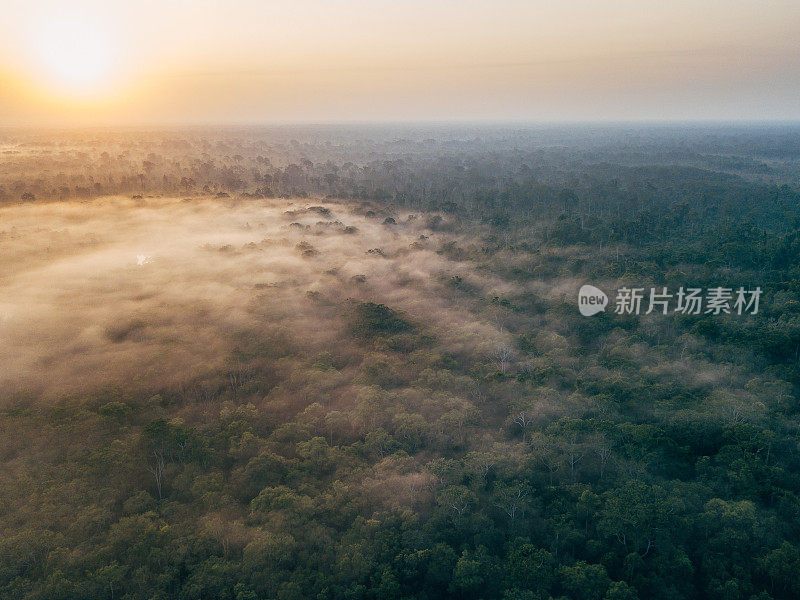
pixel 74 54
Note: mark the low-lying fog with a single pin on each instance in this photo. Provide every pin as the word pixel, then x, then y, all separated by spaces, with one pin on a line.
pixel 147 293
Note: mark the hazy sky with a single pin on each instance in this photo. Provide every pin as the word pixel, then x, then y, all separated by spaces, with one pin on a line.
pixel 185 61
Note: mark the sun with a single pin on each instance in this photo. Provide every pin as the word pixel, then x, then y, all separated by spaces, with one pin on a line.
pixel 75 53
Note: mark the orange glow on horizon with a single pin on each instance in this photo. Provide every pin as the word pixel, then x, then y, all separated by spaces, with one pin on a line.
pixel 248 61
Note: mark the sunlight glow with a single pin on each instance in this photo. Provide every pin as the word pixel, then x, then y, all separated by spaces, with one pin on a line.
pixel 76 53
pixel 253 61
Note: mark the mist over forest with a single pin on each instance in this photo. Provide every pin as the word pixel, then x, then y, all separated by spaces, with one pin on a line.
pixel 344 362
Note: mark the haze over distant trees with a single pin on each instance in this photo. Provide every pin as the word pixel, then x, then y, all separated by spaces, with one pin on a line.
pixel 345 363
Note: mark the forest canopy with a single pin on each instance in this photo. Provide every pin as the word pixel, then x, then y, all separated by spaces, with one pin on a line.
pixel 341 363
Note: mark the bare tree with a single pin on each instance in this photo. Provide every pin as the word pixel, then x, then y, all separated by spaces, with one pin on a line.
pixel 523 419
pixel 503 356
pixel 511 500
pixel 604 454
pixel 157 468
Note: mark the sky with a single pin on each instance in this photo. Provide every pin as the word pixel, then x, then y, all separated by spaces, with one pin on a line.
pixel 250 61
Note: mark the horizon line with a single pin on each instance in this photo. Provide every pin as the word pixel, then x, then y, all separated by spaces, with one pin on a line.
pixel 477 122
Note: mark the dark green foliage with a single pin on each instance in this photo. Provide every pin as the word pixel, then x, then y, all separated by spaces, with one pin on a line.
pixel 371 320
